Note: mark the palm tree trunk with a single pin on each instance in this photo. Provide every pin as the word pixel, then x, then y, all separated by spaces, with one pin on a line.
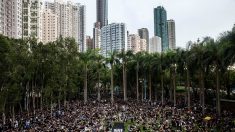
pixel 174 88
pixel 51 104
pixel 3 113
pixel 111 89
pixel 171 86
pixel 59 97
pixel 218 92
pixel 27 98
pixel 65 99
pixel 41 100
pixel 124 82
pixel 137 81
pixel 33 94
pixel 202 92
pixel 188 89
pixel 162 87
pixel 85 85
pixel 150 85
pixel 98 97
pixel 3 118
pixel 13 113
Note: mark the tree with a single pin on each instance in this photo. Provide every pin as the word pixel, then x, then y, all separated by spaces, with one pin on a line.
pixel 86 60
pixel 112 60
pixel 137 58
pixel 100 63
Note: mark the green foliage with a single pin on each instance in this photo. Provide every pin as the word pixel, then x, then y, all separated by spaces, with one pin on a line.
pixel 56 71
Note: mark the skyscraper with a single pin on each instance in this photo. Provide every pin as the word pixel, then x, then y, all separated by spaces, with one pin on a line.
pixel 71 21
pixel 171 34
pixel 82 28
pixel 160 26
pixel 89 42
pixel 97 35
pixel 1 16
pixel 32 14
pixel 113 37
pixel 102 12
pixel 49 26
pixel 11 18
pixel 144 34
pixel 155 45
pixel 135 43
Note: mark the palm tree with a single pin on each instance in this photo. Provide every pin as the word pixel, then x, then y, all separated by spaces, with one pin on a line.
pixel 86 59
pixel 100 63
pixel 169 60
pixel 137 58
pixel 150 62
pixel 112 60
pixel 200 58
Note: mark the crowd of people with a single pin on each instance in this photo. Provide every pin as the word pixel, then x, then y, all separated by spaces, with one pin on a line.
pixel 141 116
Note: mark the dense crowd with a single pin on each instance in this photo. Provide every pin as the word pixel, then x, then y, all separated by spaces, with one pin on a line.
pixel 140 116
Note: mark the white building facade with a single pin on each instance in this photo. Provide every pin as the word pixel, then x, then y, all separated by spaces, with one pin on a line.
pixel 155 45
pixel 113 38
pixel 32 19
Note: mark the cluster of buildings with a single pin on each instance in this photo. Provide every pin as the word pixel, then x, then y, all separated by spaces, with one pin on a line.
pixel 114 36
pixel 47 21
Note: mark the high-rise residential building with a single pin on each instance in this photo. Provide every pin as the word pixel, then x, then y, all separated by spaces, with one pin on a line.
pixel 160 26
pixel 113 38
pixel 144 34
pixel 49 26
pixel 135 43
pixel 1 16
pixel 71 20
pixel 97 35
pixel 102 12
pixel 143 45
pixel 32 14
pixel 89 42
pixel 55 8
pixel 82 28
pixel 171 34
pixel 155 45
pixel 11 18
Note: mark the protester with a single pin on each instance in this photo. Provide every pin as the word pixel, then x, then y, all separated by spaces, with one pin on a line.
pixel 100 116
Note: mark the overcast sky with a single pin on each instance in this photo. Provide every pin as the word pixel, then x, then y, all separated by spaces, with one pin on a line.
pixel 194 18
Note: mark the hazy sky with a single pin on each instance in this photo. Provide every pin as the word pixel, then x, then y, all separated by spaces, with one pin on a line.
pixel 194 18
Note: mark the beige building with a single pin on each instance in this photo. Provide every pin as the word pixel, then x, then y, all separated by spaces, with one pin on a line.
pixel 89 42
pixel 142 45
pixel 171 34
pixel 135 43
pixel 49 26
pixel 71 20
pixel 11 18
pixel 97 35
